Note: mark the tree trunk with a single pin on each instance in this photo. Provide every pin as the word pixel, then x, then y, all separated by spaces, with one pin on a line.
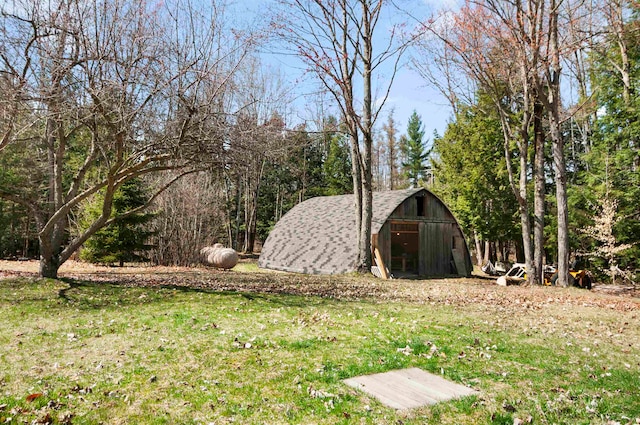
pixel 519 251
pixel 487 252
pixel 25 251
pixel 357 188
pixel 236 239
pixel 553 82
pixel 616 15
pixel 49 267
pixel 561 199
pixel 539 192
pixel 519 190
pixel 367 213
pixel 526 229
pixel 251 210
pixel 478 244
pixel 364 265
pixel 49 261
pixel 563 214
pixel 228 200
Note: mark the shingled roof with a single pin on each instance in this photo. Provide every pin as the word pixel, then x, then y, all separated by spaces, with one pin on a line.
pixel 318 236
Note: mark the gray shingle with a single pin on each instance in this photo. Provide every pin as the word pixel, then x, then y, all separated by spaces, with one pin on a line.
pixel 318 235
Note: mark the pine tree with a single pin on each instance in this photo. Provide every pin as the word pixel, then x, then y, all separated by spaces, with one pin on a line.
pixel 470 174
pixel 125 239
pixel 415 151
pixel 337 167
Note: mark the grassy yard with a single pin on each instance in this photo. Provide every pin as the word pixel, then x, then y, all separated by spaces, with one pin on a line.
pixel 201 347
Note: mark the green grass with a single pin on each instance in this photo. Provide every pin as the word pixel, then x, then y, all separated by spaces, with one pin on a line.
pixel 100 352
pixel 246 266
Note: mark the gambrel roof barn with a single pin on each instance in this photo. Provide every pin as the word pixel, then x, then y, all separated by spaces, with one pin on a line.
pixel 413 230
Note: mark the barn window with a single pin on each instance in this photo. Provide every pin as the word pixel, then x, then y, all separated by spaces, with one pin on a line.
pixel 420 205
pixel 403 227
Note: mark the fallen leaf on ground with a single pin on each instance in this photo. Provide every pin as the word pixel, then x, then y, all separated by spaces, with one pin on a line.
pixel 33 396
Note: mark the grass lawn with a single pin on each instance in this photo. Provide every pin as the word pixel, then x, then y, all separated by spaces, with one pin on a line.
pixel 155 346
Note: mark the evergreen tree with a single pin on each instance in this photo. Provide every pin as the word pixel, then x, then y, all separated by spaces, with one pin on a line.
pixel 414 151
pixel 613 162
pixel 125 239
pixel 292 178
pixel 337 167
pixel 471 177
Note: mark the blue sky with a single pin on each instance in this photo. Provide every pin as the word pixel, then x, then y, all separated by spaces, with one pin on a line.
pixel 408 92
pixel 411 92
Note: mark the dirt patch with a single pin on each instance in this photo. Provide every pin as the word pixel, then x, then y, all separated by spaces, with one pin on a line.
pixel 455 291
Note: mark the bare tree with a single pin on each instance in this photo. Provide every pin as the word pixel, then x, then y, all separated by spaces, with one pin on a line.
pixel 189 216
pixel 437 61
pixel 114 90
pixel 513 51
pixel 602 230
pixel 339 42
pixel 479 45
pixel 390 132
pixel 614 14
pixel 258 135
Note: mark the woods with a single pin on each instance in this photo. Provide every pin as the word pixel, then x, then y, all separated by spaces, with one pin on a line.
pixel 539 160
pixel 512 54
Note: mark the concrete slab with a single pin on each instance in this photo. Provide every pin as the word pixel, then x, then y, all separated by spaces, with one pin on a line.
pixel 409 388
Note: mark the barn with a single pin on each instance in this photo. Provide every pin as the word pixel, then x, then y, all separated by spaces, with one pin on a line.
pixel 413 234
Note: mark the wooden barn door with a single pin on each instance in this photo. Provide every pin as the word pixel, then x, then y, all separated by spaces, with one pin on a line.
pixel 435 249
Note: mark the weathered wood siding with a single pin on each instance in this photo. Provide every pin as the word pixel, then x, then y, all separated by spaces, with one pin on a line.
pixel 384 243
pixel 439 233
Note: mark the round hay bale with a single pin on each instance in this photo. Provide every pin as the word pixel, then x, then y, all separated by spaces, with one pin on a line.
pixel 211 258
pixel 204 252
pixel 225 258
pixel 207 251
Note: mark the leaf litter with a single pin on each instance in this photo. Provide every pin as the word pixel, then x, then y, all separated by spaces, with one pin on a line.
pixel 450 291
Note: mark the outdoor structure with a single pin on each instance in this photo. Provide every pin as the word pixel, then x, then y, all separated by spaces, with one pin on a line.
pixel 413 233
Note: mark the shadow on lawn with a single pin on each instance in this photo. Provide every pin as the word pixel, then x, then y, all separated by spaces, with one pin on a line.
pixel 131 291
